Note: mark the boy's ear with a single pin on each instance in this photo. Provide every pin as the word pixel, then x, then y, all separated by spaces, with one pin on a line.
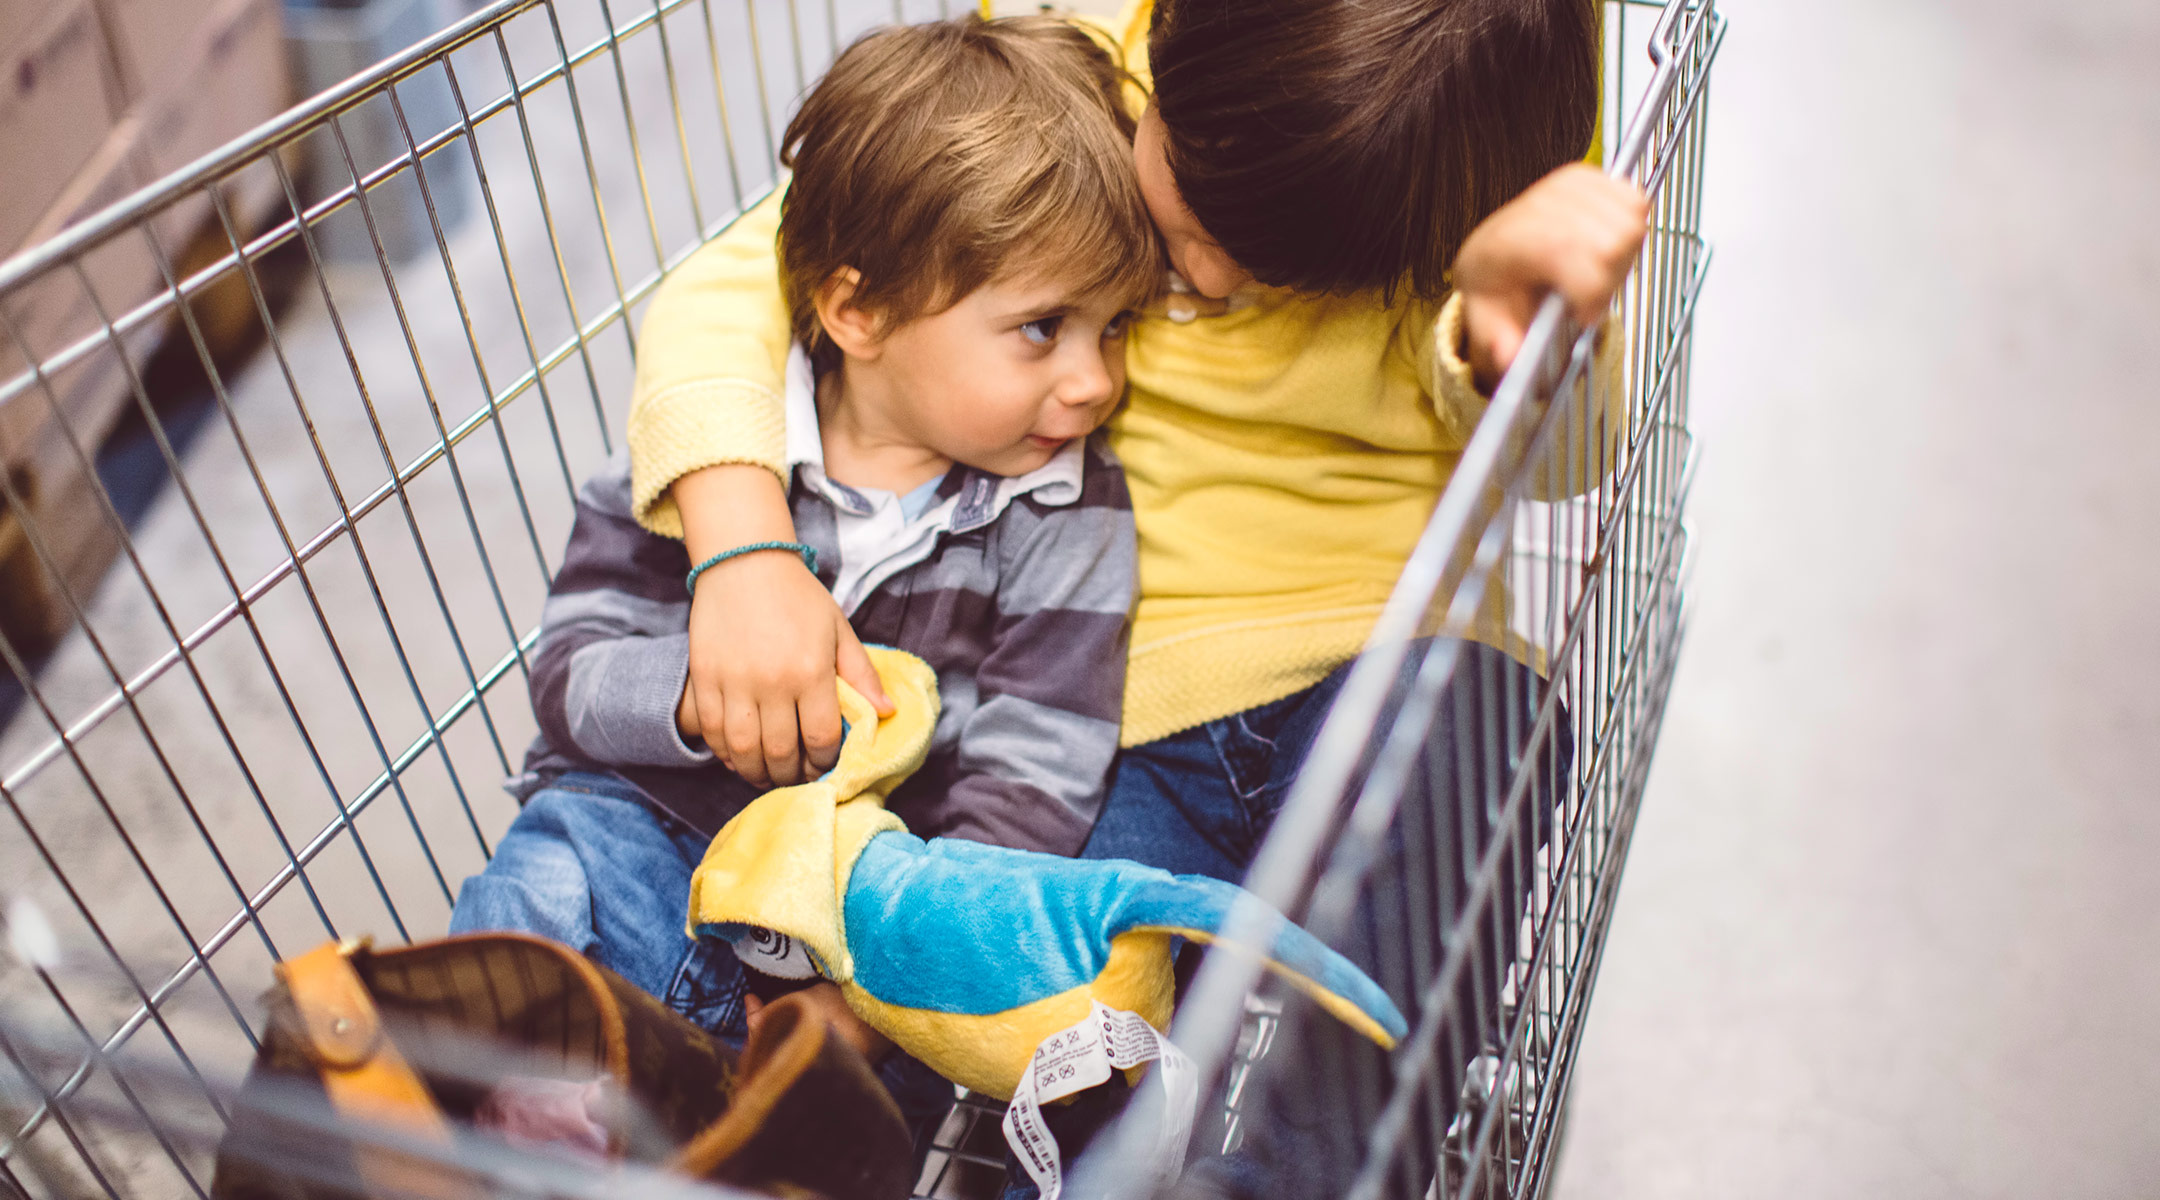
pixel 856 331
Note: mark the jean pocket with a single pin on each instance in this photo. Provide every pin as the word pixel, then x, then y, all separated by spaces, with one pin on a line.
pixel 708 990
pixel 1246 755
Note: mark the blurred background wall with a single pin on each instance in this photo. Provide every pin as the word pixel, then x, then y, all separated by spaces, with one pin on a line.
pixel 97 99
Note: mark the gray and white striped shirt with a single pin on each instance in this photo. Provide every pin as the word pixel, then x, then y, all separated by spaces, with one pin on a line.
pixel 1017 591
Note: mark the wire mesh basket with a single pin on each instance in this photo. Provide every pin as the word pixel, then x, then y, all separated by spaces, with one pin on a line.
pixel 338 482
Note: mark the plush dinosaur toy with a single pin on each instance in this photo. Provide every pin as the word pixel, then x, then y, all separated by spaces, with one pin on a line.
pixel 966 955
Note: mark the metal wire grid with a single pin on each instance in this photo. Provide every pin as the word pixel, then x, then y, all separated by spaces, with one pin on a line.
pixel 284 716
pixel 1473 1105
pixel 241 696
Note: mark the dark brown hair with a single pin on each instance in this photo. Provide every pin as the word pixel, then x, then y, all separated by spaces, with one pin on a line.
pixel 936 158
pixel 1336 145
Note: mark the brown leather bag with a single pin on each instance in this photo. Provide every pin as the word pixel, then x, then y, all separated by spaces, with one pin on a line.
pixel 398 1041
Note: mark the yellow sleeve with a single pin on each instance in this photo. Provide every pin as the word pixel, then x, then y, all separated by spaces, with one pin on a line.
pixel 1584 447
pixel 1444 369
pixel 711 367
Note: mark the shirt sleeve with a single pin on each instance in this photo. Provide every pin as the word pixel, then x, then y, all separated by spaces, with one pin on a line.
pixel 711 367
pixel 614 646
pixel 1033 758
pixel 1585 446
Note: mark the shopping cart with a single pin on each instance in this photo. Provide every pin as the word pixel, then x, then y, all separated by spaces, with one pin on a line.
pixel 283 715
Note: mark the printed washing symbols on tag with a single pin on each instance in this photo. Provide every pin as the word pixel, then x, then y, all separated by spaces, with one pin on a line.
pixel 1081 1056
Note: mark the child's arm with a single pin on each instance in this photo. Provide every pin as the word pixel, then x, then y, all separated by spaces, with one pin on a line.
pixel 711 362
pixel 1035 754
pixel 608 668
pixel 1576 232
pixel 708 446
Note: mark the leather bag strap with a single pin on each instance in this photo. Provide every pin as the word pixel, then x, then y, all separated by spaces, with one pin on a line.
pixel 363 1073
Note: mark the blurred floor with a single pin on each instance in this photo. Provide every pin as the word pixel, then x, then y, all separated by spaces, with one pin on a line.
pixel 1889 926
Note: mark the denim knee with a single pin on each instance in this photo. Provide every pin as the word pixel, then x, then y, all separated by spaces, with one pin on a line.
pixel 534 883
pixel 595 869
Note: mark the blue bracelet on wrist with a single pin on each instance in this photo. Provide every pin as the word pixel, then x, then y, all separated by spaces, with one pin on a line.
pixel 808 553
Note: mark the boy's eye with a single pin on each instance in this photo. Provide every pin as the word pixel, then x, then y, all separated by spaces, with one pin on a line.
pixel 1042 332
pixel 1117 326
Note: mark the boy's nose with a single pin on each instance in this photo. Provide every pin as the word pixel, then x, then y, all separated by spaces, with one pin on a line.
pixel 1087 382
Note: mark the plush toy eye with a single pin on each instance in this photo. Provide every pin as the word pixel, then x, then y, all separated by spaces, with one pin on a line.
pixel 773 953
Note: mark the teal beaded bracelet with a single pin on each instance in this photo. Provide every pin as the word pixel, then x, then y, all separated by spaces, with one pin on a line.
pixel 809 558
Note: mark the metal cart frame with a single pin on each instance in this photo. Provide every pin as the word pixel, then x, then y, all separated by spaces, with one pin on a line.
pixel 281 717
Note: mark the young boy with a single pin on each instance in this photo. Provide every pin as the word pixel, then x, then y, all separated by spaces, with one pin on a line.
pixel 965 238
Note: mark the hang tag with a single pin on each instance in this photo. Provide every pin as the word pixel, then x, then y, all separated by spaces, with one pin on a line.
pixel 1081 1056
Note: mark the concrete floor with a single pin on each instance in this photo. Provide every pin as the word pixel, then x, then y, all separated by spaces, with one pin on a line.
pixel 1891 927
pixel 1888 929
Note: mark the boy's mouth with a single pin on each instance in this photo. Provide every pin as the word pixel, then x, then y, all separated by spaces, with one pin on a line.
pixel 1045 443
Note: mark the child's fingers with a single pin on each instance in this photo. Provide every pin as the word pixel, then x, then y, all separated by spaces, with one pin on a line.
pixel 1507 340
pixel 853 664
pixel 1587 285
pixel 819 712
pixel 686 718
pixel 711 717
pixel 781 741
pixel 1603 235
pixel 744 738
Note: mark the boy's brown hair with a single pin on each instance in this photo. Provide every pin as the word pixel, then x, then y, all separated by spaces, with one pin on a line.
pixel 936 158
pixel 1336 145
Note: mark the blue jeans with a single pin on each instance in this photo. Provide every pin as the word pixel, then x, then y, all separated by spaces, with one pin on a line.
pixel 1202 801
pixel 590 865
pixel 587 864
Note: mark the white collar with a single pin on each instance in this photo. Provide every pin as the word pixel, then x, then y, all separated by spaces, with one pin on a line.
pixel 983 496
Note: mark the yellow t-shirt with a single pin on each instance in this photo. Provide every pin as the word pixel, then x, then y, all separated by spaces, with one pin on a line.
pixel 1283 459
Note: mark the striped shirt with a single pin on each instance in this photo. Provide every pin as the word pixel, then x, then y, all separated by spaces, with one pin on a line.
pixel 1017 591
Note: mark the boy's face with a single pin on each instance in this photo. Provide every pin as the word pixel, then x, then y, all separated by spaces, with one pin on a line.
pixel 1002 380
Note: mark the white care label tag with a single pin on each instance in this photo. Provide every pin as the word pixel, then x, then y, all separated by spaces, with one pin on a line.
pixel 1081 1056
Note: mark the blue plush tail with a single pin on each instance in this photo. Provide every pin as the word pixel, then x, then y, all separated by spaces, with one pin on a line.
pixel 1199 907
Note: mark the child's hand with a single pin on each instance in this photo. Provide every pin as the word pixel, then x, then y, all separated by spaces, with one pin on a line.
pixel 1575 232
pixel 824 998
pixel 766 638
